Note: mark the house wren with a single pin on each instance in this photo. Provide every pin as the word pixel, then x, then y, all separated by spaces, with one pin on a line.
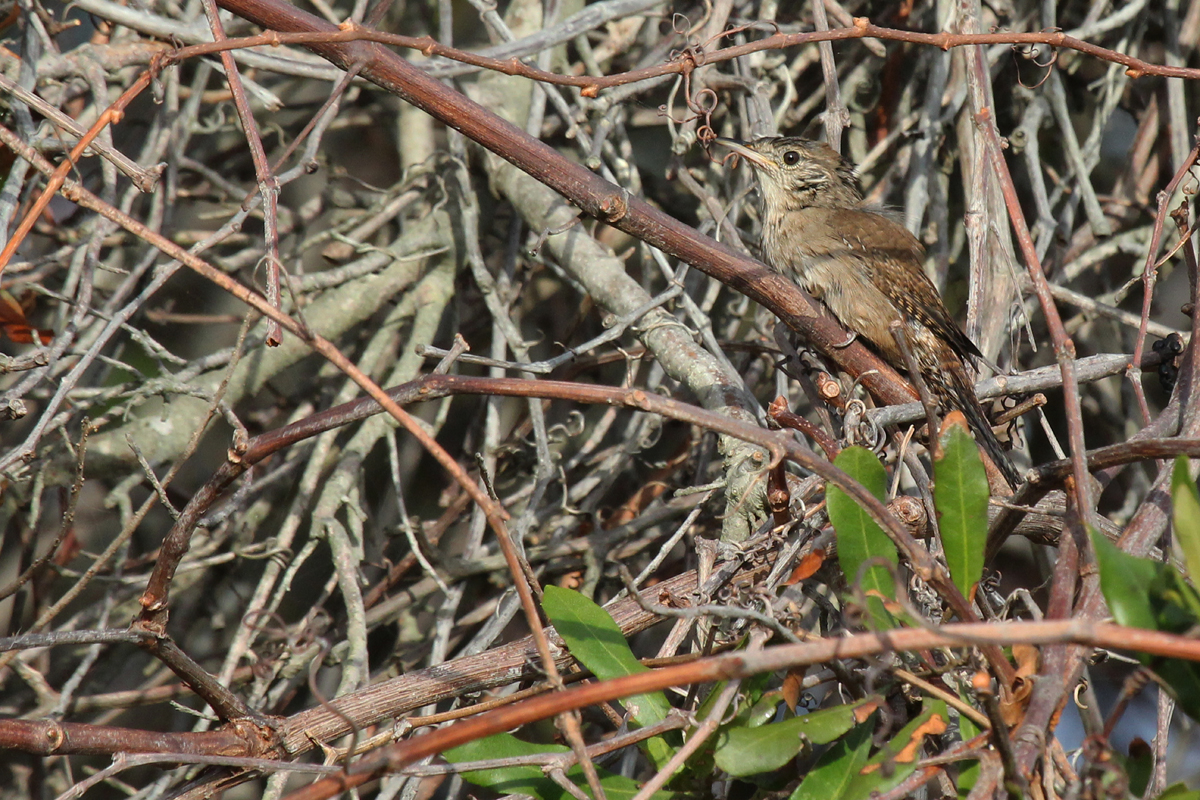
pixel 865 267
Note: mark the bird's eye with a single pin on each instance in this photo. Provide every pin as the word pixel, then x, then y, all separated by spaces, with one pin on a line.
pixel 791 158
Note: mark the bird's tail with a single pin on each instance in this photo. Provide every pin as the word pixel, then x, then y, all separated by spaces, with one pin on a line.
pixel 962 397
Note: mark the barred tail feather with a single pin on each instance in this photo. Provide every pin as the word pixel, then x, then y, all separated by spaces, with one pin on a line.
pixel 963 398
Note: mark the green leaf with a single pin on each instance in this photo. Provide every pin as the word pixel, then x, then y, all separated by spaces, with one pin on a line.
pixel 1178 611
pixel 765 748
pixel 859 537
pixel 960 493
pixel 1186 517
pixel 1179 791
pixel 618 787
pixel 1146 594
pixel 1125 581
pixel 968 775
pixel 508 780
pixel 597 641
pixel 1180 601
pixel 755 706
pixel 762 712
pixel 530 779
pixel 836 769
pixel 1139 766
pixel 591 634
pixel 899 756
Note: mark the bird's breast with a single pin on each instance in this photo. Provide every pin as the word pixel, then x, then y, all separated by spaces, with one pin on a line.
pixel 835 268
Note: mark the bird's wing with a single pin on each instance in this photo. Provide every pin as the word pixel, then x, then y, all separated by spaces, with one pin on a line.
pixel 906 284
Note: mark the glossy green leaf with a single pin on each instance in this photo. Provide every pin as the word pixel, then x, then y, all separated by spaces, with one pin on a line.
pixel 1125 581
pixel 960 493
pixel 859 537
pixel 1186 516
pixel 530 779
pixel 835 771
pixel 765 748
pixel 763 711
pixel 597 641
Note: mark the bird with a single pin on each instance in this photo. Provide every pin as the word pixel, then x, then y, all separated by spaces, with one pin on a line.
pixel 865 267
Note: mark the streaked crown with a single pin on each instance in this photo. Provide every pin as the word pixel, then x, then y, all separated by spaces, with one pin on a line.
pixel 796 173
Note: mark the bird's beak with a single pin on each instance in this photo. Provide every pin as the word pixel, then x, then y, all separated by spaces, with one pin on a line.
pixel 753 156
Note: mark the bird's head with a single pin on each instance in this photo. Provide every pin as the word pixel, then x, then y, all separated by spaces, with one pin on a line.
pixel 796 173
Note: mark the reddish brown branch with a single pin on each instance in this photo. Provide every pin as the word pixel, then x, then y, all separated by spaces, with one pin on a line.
pixel 154 598
pixel 382 701
pixel 741 665
pixel 583 188
pixel 110 116
pixel 688 60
